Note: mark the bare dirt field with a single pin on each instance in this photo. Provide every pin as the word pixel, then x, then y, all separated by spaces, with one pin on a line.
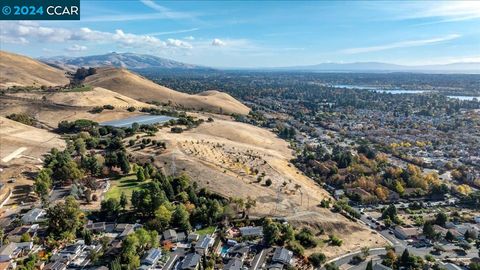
pixel 236 159
pixel 25 144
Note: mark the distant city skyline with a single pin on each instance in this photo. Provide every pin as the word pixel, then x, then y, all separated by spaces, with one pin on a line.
pixel 260 34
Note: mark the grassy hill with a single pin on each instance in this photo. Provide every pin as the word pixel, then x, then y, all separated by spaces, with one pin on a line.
pixel 24 71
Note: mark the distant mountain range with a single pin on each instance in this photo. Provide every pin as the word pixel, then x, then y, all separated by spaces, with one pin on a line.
pixel 142 61
pixel 122 60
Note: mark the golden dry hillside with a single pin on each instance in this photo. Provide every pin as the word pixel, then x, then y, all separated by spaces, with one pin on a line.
pixel 17 70
pixel 132 85
pixel 236 159
pixel 21 141
pixel 96 97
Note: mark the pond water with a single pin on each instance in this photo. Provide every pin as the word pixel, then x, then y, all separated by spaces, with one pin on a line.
pixel 376 89
pixel 464 97
pixel 141 120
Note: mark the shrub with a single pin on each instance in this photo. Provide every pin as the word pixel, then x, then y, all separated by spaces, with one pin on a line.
pixel 22 118
pixel 268 182
pixel 176 130
pixel 131 109
pixel 108 107
pixel 335 241
pixel 96 110
pixel 317 259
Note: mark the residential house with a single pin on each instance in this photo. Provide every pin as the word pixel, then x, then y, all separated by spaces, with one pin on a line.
pixel 233 264
pixel 170 235
pixel 440 230
pixel 192 237
pixel 251 231
pixel 191 262
pixel 34 215
pixel 69 253
pixel 16 234
pixel 203 244
pixel 152 257
pixel 57 265
pixel 13 250
pixel 477 219
pixel 406 233
pixel 282 255
pixel 379 266
pixel 450 266
pixel 239 251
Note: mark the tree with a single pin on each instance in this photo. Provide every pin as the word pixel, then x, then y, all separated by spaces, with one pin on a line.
pixel 110 208
pixel 441 218
pixel 331 266
pixel 123 200
pixel 140 174
pixel 271 232
pixel 317 259
pixel 390 212
pixel 449 236
pixel 87 237
pixel 306 238
pixel 180 218
pixel 43 184
pixel 474 266
pixel 268 182
pixel 428 230
pixel 164 216
pixel 123 162
pixel 65 218
pixel 80 146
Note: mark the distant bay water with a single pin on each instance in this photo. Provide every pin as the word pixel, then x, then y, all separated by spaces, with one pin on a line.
pixel 398 91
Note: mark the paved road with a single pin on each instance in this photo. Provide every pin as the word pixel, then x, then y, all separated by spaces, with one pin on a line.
pixel 259 259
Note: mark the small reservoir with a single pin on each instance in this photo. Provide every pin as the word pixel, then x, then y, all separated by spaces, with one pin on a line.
pixel 141 120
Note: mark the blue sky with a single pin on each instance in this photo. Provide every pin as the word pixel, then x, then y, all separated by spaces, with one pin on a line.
pixel 260 33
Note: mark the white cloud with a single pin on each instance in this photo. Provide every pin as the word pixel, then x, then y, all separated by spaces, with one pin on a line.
pixel 218 43
pixel 168 13
pixel 189 38
pixel 178 43
pixel 77 48
pixel 26 32
pixel 400 44
pixel 440 11
pixel 173 32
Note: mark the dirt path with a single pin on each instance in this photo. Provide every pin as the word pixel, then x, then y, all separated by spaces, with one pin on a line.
pixel 14 154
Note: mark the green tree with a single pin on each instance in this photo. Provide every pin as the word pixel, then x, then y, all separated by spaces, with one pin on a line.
pixel 449 236
pixel 43 184
pixel 123 200
pixel 317 259
pixel 331 266
pixel 180 218
pixel 110 208
pixel 271 232
pixel 80 146
pixel 140 174
pixel 441 218
pixel 428 230
pixel 65 218
pixel 123 162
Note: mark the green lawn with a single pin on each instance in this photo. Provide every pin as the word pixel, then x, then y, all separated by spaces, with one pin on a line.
pixel 206 230
pixel 126 184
